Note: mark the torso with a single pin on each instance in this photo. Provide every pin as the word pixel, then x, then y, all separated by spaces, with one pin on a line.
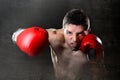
pixel 68 64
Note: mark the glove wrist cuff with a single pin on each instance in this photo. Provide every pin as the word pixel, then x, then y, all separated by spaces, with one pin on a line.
pixel 15 34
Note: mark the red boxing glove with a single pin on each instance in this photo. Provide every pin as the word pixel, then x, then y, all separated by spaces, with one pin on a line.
pixel 32 40
pixel 92 45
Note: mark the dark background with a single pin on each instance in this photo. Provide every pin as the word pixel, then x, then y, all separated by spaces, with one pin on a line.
pixel 14 14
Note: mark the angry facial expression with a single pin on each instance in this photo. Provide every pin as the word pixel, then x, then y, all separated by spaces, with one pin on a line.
pixel 73 35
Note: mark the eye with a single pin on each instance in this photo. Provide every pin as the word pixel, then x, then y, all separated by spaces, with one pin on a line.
pixel 68 32
pixel 80 33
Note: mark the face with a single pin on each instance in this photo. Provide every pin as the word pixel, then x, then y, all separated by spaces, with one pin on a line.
pixel 73 35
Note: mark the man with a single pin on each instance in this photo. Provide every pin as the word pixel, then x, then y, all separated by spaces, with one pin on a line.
pixel 76 54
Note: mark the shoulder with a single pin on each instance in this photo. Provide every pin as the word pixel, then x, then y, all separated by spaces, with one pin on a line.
pixel 55 32
pixel 55 36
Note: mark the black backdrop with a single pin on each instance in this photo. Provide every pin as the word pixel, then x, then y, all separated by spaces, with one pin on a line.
pixel 14 14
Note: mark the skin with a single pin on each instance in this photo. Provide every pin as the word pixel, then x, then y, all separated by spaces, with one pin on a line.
pixel 69 62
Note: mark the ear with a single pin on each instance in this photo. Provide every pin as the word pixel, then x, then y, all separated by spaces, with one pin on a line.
pixel 87 31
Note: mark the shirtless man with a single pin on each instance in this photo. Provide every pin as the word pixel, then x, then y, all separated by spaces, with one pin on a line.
pixel 76 54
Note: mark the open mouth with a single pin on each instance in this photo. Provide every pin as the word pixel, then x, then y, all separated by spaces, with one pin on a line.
pixel 73 44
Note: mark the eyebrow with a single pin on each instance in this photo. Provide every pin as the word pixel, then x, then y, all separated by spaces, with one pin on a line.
pixel 80 32
pixel 77 33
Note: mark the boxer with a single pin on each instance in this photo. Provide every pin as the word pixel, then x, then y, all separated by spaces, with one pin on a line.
pixel 76 53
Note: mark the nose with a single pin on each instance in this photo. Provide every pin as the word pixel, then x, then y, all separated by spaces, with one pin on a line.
pixel 74 38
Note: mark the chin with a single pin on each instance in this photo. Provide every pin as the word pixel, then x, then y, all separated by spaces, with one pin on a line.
pixel 75 49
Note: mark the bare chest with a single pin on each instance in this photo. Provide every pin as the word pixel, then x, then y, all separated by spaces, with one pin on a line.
pixel 68 63
pixel 72 59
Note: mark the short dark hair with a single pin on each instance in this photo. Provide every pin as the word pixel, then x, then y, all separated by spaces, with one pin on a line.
pixel 77 17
